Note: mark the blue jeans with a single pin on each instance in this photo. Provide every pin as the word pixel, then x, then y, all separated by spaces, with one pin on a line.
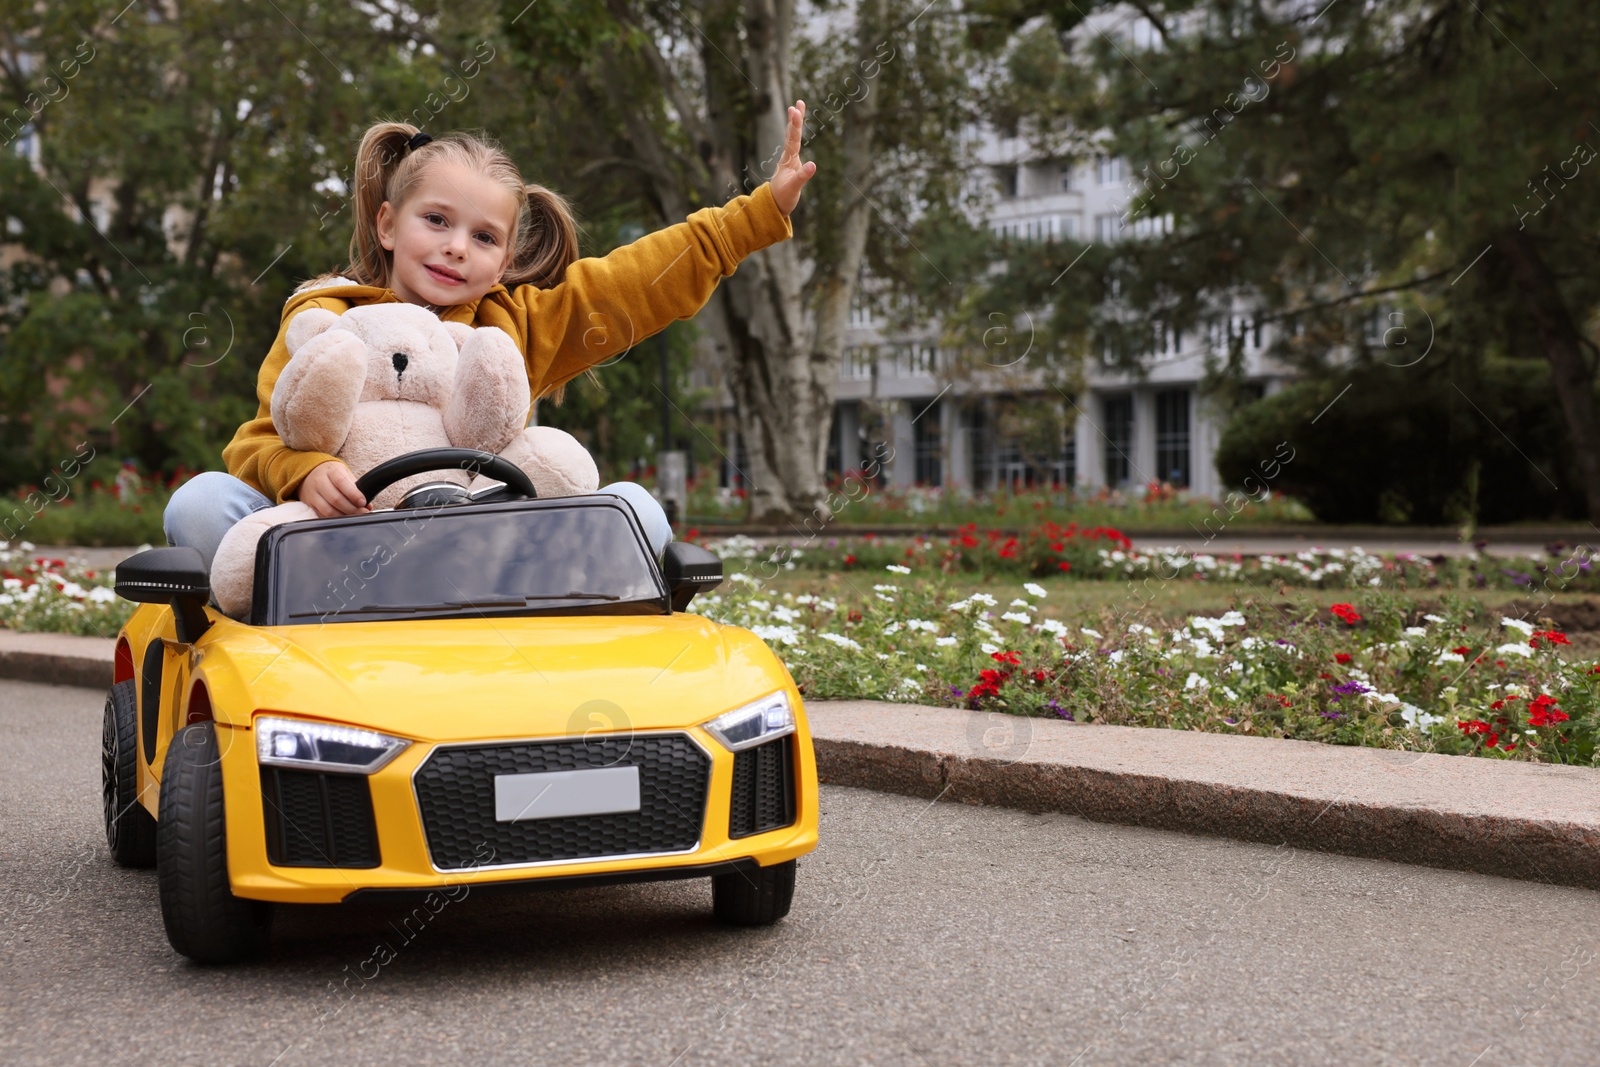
pixel 206 507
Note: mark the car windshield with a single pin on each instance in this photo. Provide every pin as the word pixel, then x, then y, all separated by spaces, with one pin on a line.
pixel 502 559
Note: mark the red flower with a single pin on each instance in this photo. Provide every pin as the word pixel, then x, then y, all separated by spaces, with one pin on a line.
pixel 1497 705
pixel 910 552
pixel 1462 651
pixel 1343 657
pixel 1041 676
pixel 1324 674
pixel 1542 711
pixel 1474 726
pixel 854 616
pixel 849 558
pixel 1006 657
pixel 1493 740
pixel 1595 669
pixel 1500 663
pixel 691 535
pixel 1064 565
pixel 1552 636
pixel 1280 699
pixel 1345 612
pixel 1511 748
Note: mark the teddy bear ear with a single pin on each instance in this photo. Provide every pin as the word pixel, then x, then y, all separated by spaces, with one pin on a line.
pixel 308 324
pixel 459 333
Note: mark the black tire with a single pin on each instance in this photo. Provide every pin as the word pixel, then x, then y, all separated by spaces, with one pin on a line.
pixel 130 828
pixel 760 898
pixel 204 920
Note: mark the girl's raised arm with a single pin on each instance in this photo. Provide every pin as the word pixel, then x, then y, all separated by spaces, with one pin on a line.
pixel 605 305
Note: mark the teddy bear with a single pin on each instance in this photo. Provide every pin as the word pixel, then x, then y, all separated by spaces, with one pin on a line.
pixel 382 380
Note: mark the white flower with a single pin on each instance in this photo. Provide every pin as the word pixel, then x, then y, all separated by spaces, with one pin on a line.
pixel 1019 603
pixel 1431 618
pixel 944 642
pixel 1415 716
pixel 1136 628
pixel 1516 624
pixel 990 649
pixel 892 628
pixel 1232 618
pixel 1089 632
pixel 921 666
pixel 102 595
pixel 1051 626
pixel 1514 649
pixel 841 641
pixel 983 598
pixel 919 624
pixel 785 635
pixel 896 568
pixel 1229 693
pixel 886 588
pixel 961 605
pixel 1416 631
pixel 1034 589
pixel 1194 681
pixel 1017 616
pixel 1115 657
pixel 1446 656
pixel 1375 580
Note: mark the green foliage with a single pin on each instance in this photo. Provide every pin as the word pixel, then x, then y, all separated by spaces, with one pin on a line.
pixel 1412 445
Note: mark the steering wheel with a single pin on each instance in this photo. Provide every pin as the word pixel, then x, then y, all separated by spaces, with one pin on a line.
pixel 518 486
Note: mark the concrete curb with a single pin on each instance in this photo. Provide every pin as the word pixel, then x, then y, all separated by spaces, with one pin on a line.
pixel 1519 820
pixel 57 659
pixel 1533 821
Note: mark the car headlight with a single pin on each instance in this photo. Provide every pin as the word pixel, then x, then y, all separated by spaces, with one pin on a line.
pixel 754 723
pixel 324 746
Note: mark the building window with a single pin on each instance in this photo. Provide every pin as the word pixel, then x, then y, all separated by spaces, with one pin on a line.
pixel 1066 179
pixel 1172 437
pixel 915 361
pixel 1006 176
pixel 927 442
pixel 974 426
pixel 1117 417
pixel 1108 170
pixel 857 364
pixel 1106 227
pixel 1067 226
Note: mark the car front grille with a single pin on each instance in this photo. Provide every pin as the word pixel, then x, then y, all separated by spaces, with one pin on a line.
pixel 763 788
pixel 318 820
pixel 456 796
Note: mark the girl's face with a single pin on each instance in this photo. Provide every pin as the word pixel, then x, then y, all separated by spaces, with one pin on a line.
pixel 450 239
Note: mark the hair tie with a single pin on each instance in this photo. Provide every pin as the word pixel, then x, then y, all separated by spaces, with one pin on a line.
pixel 418 139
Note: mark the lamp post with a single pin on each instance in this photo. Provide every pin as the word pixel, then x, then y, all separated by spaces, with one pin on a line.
pixel 671 466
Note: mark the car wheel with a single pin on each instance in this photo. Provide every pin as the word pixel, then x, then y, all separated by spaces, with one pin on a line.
pixel 204 920
pixel 758 898
pixel 130 828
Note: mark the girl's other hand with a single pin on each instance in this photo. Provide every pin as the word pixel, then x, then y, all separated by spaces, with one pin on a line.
pixel 791 175
pixel 330 490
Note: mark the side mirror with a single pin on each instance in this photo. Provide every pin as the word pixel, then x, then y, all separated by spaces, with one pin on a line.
pixel 175 575
pixel 689 569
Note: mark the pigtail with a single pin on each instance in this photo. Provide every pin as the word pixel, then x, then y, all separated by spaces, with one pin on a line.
pixel 383 150
pixel 548 243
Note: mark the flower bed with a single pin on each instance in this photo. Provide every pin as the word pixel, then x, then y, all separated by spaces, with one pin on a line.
pixel 57 595
pixel 1101 553
pixel 1457 681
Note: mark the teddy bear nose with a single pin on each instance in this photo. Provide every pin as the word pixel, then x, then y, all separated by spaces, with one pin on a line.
pixel 400 360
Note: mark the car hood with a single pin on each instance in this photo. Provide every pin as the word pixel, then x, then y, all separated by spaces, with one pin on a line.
pixel 468 679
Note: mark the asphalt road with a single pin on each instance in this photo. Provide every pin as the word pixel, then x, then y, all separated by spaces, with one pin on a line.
pixel 921 934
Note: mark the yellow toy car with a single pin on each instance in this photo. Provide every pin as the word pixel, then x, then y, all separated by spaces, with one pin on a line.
pixel 458 692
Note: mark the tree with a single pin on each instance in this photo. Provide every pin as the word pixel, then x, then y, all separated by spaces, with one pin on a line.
pixel 688 101
pixel 172 170
pixel 1419 164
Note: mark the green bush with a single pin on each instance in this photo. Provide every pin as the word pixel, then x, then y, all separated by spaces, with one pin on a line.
pixel 1412 444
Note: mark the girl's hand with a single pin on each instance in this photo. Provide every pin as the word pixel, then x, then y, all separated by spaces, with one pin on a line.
pixel 330 490
pixel 791 175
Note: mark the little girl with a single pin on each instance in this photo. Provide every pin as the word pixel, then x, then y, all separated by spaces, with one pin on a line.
pixel 449 224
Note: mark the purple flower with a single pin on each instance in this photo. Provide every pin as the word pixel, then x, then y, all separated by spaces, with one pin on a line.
pixel 1351 688
pixel 957 692
pixel 1161 671
pixel 1230 722
pixel 1280 641
pixel 1060 712
pixel 1333 714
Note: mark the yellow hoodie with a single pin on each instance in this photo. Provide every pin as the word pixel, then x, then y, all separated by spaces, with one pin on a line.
pixel 601 308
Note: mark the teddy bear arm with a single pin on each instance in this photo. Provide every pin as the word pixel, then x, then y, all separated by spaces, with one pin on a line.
pixel 489 405
pixel 315 397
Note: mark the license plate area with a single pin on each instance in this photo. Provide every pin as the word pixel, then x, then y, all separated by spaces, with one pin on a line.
pixel 561 794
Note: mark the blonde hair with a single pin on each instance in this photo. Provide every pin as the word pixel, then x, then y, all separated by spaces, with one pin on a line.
pixel 544 237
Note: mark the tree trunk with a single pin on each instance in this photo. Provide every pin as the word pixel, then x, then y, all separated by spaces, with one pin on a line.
pixel 784 367
pixel 1564 349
